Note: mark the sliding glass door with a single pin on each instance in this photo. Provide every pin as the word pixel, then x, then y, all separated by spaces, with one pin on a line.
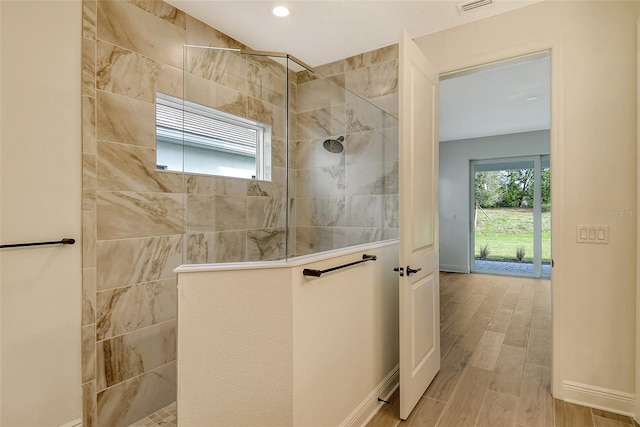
pixel 510 230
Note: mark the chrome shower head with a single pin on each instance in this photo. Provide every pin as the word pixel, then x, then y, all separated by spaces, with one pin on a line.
pixel 334 145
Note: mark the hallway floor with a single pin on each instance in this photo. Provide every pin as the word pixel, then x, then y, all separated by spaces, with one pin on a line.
pixel 496 361
pixel 496 366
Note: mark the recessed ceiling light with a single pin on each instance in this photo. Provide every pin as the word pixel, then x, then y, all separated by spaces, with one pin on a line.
pixel 280 11
pixel 531 98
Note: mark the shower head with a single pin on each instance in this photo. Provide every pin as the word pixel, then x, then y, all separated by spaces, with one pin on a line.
pixel 334 145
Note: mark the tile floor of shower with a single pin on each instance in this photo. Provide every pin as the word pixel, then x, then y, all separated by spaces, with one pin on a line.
pixel 166 417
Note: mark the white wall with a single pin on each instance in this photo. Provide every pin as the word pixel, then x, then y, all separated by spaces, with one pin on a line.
pixel 345 336
pixel 40 192
pixel 593 164
pixel 270 346
pixel 454 186
pixel 235 347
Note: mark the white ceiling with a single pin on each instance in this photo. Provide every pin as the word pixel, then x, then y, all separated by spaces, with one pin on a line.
pixel 319 32
pixel 490 102
pixel 497 99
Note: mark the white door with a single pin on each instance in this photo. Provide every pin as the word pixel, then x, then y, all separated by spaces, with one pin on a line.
pixel 419 291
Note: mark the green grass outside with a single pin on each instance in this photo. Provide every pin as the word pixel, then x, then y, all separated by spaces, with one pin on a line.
pixel 506 230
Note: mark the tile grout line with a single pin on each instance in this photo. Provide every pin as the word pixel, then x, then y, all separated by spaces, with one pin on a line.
pixel 135 377
pixel 441 413
pixel 431 398
pixel 174 319
pixel 460 333
pixel 593 420
pixel 484 398
pixel 455 389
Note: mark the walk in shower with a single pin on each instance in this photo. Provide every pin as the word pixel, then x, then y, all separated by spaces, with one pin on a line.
pixel 279 161
pixel 257 325
pixel 203 157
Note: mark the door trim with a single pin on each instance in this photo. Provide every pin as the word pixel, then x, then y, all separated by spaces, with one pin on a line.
pixel 555 48
pixel 637 379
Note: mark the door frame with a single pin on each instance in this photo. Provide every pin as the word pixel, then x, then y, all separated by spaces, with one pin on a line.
pixel 637 379
pixel 555 49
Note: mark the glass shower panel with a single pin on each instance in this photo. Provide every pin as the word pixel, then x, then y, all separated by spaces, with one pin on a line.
pixel 234 156
pixel 278 160
pixel 343 166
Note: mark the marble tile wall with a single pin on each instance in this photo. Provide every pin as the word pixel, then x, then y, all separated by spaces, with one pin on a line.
pixel 348 198
pixel 372 75
pixel 89 229
pixel 139 223
pixel 231 220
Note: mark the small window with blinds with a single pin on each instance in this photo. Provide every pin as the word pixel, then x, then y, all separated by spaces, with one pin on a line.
pixel 194 138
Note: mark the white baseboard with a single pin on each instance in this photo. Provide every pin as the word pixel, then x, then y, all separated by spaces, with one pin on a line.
pixel 454 268
pixel 74 423
pixel 615 401
pixel 365 411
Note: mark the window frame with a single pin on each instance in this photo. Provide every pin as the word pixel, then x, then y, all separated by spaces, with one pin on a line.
pixel 175 133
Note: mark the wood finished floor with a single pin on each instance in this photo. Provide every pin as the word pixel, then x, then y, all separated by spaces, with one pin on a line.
pixel 495 335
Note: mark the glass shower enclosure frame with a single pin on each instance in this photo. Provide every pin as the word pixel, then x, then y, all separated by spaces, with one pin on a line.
pixel 331 166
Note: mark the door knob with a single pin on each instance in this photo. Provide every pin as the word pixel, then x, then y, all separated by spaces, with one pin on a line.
pixel 410 270
pixel 399 269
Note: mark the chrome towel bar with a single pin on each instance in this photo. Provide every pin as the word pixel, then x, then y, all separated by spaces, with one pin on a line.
pixel 318 273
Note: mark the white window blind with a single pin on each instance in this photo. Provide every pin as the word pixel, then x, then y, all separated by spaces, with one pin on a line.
pixel 186 122
pixel 195 138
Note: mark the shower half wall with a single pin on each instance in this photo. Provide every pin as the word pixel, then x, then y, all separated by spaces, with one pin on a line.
pixel 278 334
pixel 139 224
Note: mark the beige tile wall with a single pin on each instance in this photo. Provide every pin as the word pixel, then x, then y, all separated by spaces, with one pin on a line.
pixel 139 224
pixel 348 198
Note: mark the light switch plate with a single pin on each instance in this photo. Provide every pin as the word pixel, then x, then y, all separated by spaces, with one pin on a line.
pixel 592 234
